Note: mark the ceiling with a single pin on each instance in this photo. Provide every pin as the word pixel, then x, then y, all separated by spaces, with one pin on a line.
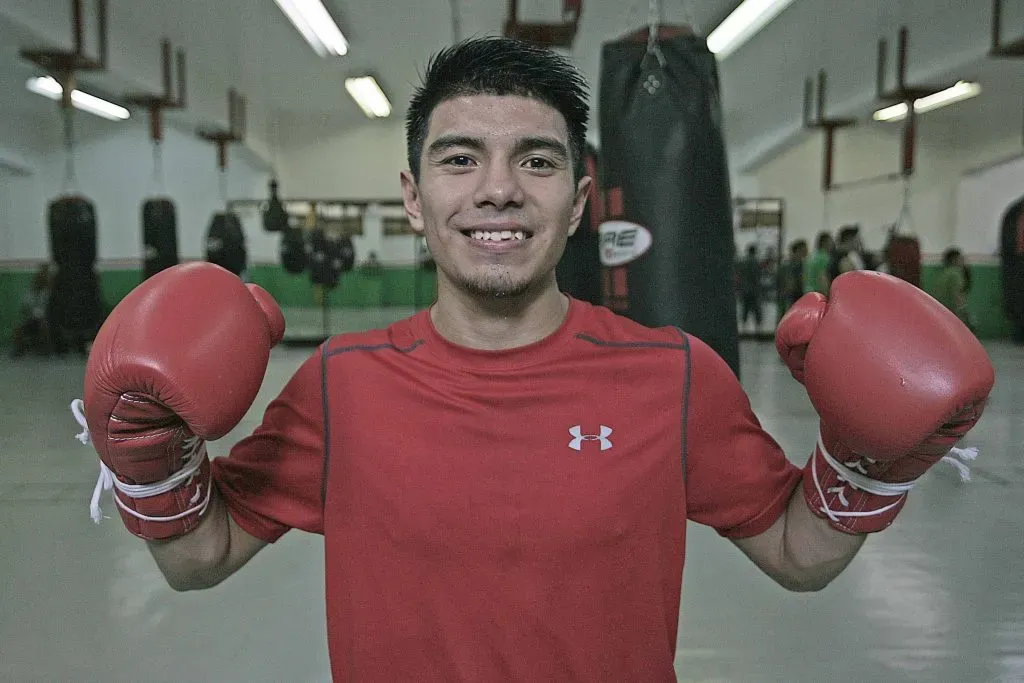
pixel 249 45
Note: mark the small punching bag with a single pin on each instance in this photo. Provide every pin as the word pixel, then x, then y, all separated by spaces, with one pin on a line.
pixel 225 243
pixel 159 236
pixel 1012 266
pixel 667 241
pixel 275 218
pixel 293 251
pixel 579 270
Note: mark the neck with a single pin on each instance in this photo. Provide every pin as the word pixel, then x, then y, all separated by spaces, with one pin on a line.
pixel 497 324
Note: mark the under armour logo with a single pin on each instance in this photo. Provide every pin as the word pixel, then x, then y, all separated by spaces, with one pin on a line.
pixel 578 438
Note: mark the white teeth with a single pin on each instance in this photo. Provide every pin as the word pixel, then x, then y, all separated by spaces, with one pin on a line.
pixel 498 236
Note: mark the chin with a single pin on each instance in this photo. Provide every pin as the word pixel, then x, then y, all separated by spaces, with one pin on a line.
pixel 495 286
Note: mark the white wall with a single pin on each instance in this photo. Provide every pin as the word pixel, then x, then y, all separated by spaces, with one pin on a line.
pixel 982 199
pixel 362 163
pixel 795 175
pixel 951 203
pixel 115 170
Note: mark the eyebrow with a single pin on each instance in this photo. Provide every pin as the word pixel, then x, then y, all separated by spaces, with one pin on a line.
pixel 523 145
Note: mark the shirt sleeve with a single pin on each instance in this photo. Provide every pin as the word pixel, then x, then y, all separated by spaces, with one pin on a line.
pixel 738 480
pixel 272 481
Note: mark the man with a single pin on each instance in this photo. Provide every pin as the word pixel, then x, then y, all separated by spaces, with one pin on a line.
pixel 848 254
pixel 749 278
pixel 816 266
pixel 503 481
pixel 951 286
pixel 793 273
pixel 31 333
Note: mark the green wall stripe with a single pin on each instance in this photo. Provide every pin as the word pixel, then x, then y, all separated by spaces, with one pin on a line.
pixel 408 287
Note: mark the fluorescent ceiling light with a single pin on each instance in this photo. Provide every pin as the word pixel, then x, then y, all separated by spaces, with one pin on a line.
pixel 48 87
pixel 368 95
pixel 316 25
pixel 963 90
pixel 740 26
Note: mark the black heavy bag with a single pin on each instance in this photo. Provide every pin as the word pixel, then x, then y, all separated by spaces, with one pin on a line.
pixel 72 223
pixel 344 252
pixel 159 236
pixel 579 270
pixel 75 309
pixel 225 243
pixel 1012 253
pixel 293 251
pixel 275 218
pixel 323 269
pixel 667 243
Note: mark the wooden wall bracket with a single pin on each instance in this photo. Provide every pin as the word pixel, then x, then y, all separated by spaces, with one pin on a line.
pixel 546 34
pixel 170 98
pixel 64 64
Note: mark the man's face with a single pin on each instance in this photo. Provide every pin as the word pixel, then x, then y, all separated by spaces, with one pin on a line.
pixel 496 199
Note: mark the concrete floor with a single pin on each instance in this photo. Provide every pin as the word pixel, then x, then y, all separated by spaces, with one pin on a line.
pixel 937 597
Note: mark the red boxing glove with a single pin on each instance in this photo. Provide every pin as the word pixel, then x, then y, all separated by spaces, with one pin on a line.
pixel 178 361
pixel 896 379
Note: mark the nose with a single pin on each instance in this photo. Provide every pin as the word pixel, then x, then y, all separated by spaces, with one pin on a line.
pixel 499 187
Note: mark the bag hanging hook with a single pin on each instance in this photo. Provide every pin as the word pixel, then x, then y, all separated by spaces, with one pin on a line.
pixel 653 25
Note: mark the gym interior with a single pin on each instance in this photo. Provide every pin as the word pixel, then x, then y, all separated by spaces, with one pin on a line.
pixel 269 140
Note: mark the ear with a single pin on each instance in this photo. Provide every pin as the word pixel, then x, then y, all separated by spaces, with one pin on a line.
pixel 579 202
pixel 411 201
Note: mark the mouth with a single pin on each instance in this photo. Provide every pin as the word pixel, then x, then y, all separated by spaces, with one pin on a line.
pixel 515 234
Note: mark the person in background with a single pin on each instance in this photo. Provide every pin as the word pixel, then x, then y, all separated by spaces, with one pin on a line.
pixel 951 288
pixel 749 285
pixel 815 275
pixel 372 265
pixel 848 254
pixel 793 273
pixel 32 331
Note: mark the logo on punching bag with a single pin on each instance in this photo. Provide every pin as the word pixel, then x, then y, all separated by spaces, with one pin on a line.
pixel 623 242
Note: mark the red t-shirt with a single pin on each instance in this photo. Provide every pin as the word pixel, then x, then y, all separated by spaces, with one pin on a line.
pixel 512 515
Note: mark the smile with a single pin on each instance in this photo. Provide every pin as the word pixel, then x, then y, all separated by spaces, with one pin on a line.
pixel 496 235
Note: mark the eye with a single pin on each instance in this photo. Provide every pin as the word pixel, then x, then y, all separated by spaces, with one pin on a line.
pixel 538 163
pixel 460 160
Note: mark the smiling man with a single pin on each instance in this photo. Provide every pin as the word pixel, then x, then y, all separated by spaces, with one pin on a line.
pixel 503 481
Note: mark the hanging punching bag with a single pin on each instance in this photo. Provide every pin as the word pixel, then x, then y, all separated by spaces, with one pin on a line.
pixel 1012 266
pixel 903 257
pixel 322 268
pixel 667 246
pixel 275 218
pixel 293 251
pixel 159 236
pixel 579 270
pixel 75 308
pixel 225 243
pixel 72 223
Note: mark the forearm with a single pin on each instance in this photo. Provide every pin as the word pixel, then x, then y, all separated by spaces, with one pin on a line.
pixel 198 559
pixel 813 553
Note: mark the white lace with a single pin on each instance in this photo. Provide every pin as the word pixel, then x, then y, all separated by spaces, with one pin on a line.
pixel 852 474
pixel 195 449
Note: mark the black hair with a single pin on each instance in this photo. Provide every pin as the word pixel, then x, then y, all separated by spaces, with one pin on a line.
pixel 848 232
pixel 950 256
pixel 499 66
pixel 824 239
pixel 751 250
pixel 797 245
